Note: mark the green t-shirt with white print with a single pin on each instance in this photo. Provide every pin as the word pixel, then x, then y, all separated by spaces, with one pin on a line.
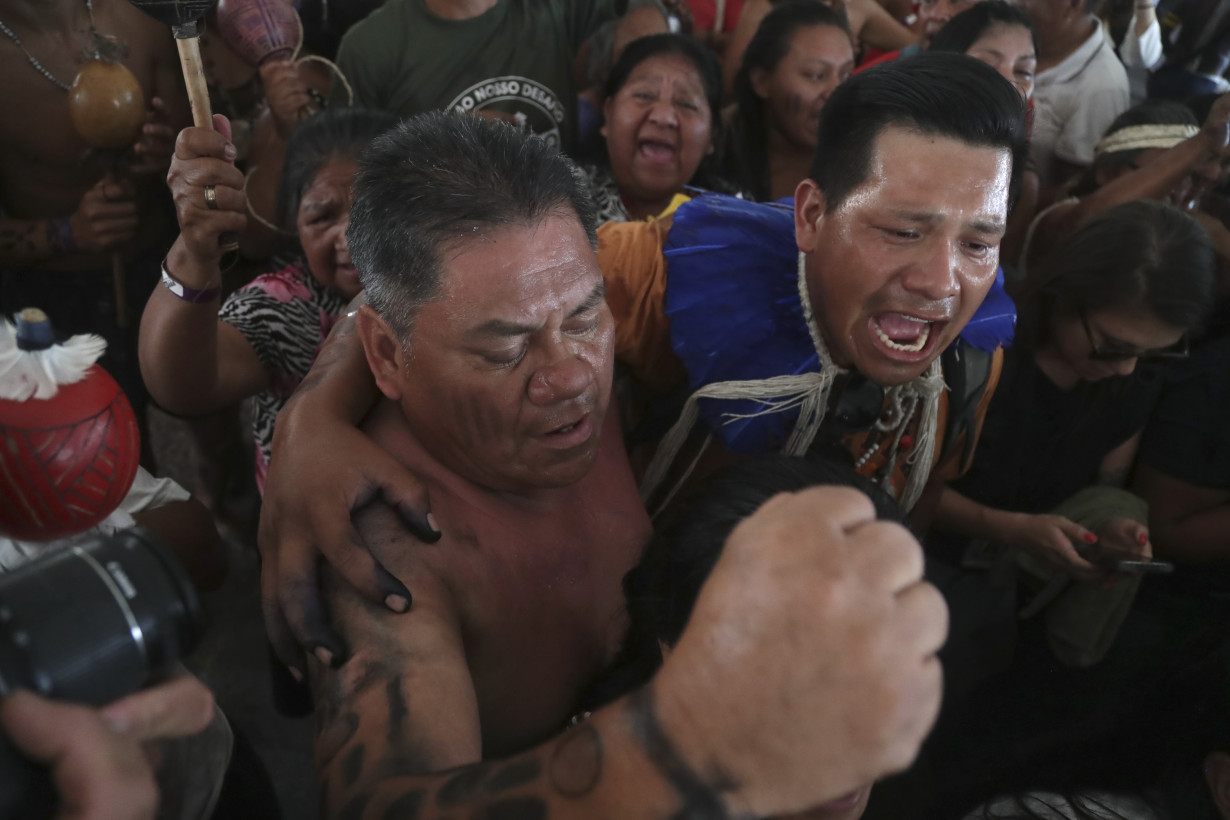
pixel 516 59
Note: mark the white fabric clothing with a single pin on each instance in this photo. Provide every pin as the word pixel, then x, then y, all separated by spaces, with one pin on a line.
pixel 1143 50
pixel 146 493
pixel 1075 102
pixel 1141 53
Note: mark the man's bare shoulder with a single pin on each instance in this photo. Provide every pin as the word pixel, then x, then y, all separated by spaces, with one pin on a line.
pixel 372 628
pixel 378 523
pixel 403 702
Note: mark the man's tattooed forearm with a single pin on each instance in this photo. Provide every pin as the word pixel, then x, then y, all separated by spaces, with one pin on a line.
pixel 354 809
pixel 461 787
pixel 407 806
pixel 521 788
pixel 513 808
pixel 398 711
pixel 514 774
pixel 352 765
pixel 701 800
pixel 480 789
pixel 334 736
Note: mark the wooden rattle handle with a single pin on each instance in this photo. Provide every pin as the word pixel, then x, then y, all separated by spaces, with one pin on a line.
pixel 198 98
pixel 194 79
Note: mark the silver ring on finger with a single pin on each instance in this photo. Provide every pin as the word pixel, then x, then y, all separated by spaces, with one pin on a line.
pixel 211 198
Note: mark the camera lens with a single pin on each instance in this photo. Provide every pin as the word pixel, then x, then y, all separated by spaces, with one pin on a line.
pixel 93 623
pixel 88 624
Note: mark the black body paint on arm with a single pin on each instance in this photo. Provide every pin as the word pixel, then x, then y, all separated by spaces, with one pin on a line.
pixel 398 711
pixel 701 800
pixel 352 765
pixel 406 807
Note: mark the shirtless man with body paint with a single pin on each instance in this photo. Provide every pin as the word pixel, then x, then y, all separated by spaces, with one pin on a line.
pixel 498 387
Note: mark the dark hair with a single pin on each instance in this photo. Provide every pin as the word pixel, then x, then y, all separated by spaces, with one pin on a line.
pixel 1149 112
pixel 945 94
pixel 1153 112
pixel 662 588
pixel 1142 254
pixel 601 56
pixel 745 159
pixel 441 176
pixel 679 45
pixel 964 29
pixel 333 132
pixel 1202 105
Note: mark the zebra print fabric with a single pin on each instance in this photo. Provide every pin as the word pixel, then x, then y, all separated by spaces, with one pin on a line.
pixel 286 316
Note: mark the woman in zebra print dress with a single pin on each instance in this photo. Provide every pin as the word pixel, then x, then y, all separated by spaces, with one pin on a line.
pixel 263 340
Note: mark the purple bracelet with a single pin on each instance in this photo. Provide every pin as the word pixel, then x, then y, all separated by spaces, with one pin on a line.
pixel 193 295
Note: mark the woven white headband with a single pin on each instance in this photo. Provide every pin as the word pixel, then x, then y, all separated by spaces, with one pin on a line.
pixel 1138 137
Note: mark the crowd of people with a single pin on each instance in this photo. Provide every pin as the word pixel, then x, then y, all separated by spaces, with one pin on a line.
pixel 665 408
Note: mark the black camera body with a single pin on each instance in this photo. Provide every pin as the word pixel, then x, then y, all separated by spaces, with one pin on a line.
pixel 88 624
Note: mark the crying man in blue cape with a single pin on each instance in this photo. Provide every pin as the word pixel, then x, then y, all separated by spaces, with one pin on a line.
pixel 865 320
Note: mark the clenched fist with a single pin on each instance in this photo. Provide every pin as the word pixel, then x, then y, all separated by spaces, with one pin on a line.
pixel 209 201
pixel 809 666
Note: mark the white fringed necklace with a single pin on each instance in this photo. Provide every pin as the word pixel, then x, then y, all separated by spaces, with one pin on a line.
pixel 810 394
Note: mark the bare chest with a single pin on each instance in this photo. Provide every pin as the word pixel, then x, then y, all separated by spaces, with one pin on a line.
pixel 541 602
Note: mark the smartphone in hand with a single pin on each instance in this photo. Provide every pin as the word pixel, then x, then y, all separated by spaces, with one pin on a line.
pixel 1143 567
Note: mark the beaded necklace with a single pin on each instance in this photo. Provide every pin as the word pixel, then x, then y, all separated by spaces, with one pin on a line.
pixel 39 67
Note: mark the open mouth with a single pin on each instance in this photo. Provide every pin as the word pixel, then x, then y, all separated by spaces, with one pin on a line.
pixel 845 802
pixel 901 332
pixel 656 150
pixel 570 435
